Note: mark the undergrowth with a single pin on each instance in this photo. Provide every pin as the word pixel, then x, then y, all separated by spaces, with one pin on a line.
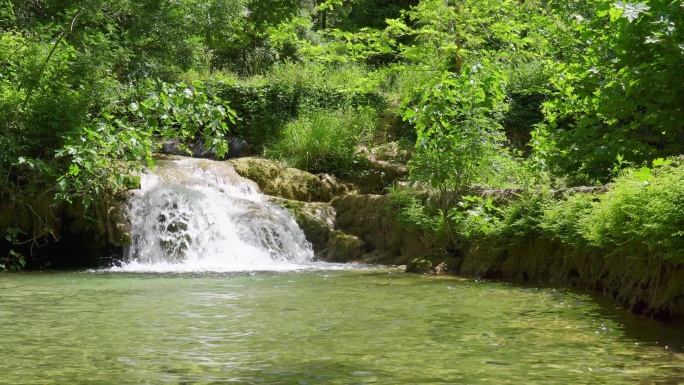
pixel 324 140
pixel 641 213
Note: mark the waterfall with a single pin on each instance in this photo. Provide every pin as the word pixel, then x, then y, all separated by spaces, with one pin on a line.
pixel 200 215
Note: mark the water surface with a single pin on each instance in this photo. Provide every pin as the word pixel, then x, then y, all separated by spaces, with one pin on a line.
pixel 312 327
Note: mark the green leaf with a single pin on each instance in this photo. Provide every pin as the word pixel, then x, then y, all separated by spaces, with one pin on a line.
pixel 74 170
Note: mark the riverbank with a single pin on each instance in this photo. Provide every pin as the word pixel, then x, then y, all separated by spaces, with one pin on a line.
pixel 640 281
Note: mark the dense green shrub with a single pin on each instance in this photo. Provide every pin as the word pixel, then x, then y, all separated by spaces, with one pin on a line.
pixel 475 218
pixel 264 105
pixel 563 220
pixel 324 140
pixel 522 218
pixel 643 208
pixel 413 212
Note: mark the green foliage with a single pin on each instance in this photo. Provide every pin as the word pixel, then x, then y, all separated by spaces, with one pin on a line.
pixel 642 208
pixel 563 220
pixel 253 46
pixel 640 211
pixel 456 136
pixel 157 39
pixel 475 217
pixel 13 260
pixel 458 144
pixel 527 89
pixel 522 218
pixel 103 155
pixel 412 212
pixel 352 15
pixel 324 140
pixel 619 90
pixel 265 104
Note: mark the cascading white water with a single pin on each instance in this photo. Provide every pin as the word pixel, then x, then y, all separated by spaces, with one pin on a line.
pixel 200 215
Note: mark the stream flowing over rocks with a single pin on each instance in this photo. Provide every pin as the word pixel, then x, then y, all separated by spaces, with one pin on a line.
pixel 198 214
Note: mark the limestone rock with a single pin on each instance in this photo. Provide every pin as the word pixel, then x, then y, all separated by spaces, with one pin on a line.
pixel 344 247
pixel 372 218
pixel 278 180
pixel 419 266
pixel 377 172
pixel 437 262
pixel 118 225
pixel 316 219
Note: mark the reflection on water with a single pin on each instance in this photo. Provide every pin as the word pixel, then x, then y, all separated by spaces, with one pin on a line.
pixel 309 327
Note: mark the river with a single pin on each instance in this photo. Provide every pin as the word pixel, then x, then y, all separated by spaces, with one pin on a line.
pixel 339 326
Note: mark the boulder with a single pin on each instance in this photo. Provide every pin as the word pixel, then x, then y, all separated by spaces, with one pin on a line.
pixel 278 180
pixel 380 167
pixel 436 262
pixel 344 247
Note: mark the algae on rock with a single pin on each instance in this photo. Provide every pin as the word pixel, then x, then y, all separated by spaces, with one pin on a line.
pixel 278 180
pixel 344 247
pixel 316 219
pixel 373 218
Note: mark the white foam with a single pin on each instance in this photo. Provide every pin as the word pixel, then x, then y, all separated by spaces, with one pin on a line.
pixel 208 267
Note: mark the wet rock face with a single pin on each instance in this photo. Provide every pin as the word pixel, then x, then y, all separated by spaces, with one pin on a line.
pixel 371 218
pixel 277 180
pixel 344 247
pixel 68 234
pixel 316 219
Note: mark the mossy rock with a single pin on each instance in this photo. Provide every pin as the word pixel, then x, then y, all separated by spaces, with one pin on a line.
pixel 273 178
pixel 344 247
pixel 106 222
pixel 419 266
pixel 437 262
pixel 316 219
pixel 118 225
pixel 374 219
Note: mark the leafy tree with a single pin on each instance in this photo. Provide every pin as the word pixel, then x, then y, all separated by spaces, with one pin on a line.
pixel 459 144
pixel 70 76
pixel 102 155
pixel 618 93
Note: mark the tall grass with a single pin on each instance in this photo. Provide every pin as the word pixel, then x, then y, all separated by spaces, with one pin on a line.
pixel 349 76
pixel 324 140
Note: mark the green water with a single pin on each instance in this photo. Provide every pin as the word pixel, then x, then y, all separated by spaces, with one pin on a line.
pixel 334 327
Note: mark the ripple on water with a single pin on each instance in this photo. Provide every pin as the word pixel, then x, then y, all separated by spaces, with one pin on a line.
pixel 312 325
